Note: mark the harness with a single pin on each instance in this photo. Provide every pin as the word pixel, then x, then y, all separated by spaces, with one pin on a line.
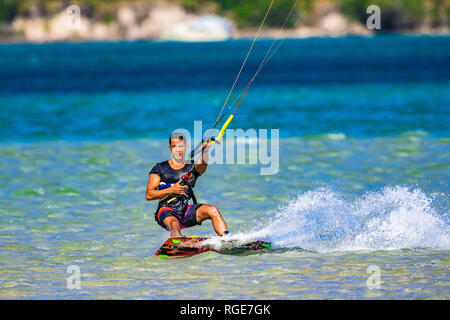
pixel 188 180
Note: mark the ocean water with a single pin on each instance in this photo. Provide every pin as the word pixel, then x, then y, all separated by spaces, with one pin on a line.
pixel 361 191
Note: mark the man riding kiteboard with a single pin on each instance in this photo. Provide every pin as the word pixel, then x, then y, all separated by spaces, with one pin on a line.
pixel 171 182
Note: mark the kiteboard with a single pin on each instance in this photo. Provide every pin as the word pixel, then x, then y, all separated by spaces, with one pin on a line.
pixel 189 246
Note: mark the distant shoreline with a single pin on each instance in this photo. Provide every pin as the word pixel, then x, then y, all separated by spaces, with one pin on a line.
pixel 238 37
pixel 168 21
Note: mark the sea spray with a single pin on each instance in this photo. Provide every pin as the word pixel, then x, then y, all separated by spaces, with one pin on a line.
pixel 399 218
pixel 395 217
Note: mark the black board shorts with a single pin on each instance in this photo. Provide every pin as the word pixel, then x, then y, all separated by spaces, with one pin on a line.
pixel 186 219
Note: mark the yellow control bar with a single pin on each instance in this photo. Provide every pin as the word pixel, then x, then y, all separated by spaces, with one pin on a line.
pixel 222 130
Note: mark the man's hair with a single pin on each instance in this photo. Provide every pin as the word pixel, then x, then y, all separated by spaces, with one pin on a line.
pixel 176 136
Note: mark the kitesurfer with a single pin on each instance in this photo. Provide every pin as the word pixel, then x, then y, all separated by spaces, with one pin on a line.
pixel 171 182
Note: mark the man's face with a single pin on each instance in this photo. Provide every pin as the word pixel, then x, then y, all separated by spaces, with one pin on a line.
pixel 178 149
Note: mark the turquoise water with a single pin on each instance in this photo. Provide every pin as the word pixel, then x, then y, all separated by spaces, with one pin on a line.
pixel 362 181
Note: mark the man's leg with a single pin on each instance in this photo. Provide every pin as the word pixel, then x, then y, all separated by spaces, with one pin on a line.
pixel 210 212
pixel 173 225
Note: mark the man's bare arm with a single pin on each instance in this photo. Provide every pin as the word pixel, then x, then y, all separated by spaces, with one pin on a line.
pixel 202 162
pixel 153 194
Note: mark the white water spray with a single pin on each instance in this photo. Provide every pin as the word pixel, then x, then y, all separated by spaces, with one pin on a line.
pixel 322 220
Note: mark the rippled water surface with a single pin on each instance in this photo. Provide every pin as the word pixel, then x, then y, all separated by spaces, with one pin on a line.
pixel 362 180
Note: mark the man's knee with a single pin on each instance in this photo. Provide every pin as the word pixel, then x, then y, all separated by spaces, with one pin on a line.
pixel 171 223
pixel 213 212
pixel 207 211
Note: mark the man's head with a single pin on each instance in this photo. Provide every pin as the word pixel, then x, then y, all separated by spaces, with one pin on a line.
pixel 177 146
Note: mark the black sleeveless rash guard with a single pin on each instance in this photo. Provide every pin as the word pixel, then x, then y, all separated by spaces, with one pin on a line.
pixel 169 175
